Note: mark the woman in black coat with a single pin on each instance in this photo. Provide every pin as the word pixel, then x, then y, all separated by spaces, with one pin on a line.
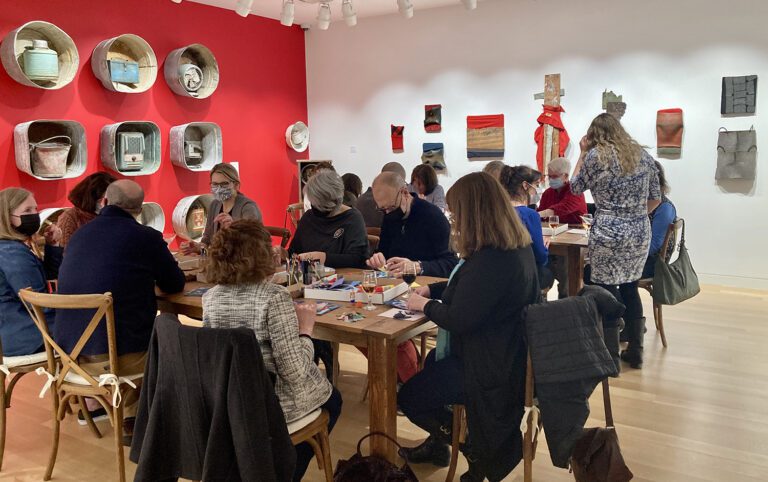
pixel 481 353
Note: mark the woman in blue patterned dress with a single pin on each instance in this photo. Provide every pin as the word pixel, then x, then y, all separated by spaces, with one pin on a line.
pixel 625 186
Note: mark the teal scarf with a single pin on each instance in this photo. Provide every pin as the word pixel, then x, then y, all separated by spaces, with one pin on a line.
pixel 443 348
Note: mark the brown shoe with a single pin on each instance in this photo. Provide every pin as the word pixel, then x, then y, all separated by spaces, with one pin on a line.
pixel 128 425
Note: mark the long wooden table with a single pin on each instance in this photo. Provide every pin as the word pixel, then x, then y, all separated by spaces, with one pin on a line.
pixel 571 246
pixel 379 334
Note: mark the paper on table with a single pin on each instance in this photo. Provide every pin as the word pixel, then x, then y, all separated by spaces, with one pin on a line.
pixel 577 231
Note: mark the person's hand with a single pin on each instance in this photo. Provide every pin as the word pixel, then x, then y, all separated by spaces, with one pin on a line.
pixel 52 235
pixel 224 220
pixel 189 247
pixel 417 302
pixel 547 241
pixel 422 196
pixel 547 213
pixel 306 313
pixel 377 261
pixel 422 291
pixel 396 266
pixel 313 255
pixel 584 144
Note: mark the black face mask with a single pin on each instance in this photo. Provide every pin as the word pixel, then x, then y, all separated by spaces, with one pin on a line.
pixel 395 215
pixel 30 224
pixel 320 214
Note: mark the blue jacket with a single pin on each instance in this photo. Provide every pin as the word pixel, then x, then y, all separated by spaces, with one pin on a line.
pixel 661 218
pixel 20 268
pixel 532 221
pixel 115 253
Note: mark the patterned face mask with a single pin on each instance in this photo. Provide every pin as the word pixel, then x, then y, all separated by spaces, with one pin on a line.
pixel 222 193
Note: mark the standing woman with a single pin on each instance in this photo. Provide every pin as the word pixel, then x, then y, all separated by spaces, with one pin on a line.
pixel 481 353
pixel 625 185
pixel 228 206
pixel 424 183
pixel 20 268
pixel 86 199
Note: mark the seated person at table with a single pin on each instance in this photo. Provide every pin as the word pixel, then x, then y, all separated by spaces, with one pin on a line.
pixel 480 356
pixel 367 205
pixel 240 263
pixel 519 181
pixel 558 200
pixel 86 197
pixel 114 253
pixel 353 188
pixel 330 231
pixel 413 230
pixel 20 267
pixel 229 205
pixel 661 217
pixel 424 184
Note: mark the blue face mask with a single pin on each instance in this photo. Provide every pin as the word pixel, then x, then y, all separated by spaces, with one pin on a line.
pixel 556 183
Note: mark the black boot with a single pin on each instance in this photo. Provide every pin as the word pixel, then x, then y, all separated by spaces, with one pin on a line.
pixel 634 352
pixel 435 450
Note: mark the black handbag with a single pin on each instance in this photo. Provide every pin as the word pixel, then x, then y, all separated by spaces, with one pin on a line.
pixel 372 468
pixel 677 281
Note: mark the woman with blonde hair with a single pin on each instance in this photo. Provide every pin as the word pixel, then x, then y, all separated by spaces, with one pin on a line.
pixel 21 268
pixel 229 205
pixel 625 185
pixel 480 356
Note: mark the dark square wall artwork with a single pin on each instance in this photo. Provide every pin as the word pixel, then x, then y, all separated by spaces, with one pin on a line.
pixel 739 95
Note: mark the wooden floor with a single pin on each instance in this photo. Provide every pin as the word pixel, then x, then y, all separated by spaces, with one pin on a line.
pixel 697 411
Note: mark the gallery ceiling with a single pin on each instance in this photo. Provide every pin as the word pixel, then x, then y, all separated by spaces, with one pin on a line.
pixel 305 13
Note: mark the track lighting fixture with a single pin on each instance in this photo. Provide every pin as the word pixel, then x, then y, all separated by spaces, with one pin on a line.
pixel 405 7
pixel 243 7
pixel 286 17
pixel 324 16
pixel 348 11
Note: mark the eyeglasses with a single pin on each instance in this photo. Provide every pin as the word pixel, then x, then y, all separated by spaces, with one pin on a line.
pixel 221 184
pixel 391 208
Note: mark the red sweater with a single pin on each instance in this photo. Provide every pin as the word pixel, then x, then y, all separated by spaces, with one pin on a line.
pixel 567 206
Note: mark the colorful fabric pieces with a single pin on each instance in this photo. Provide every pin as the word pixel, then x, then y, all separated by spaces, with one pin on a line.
pixel 550 116
pixel 669 132
pixel 736 155
pixel 434 155
pixel 397 137
pixel 485 136
pixel 433 117
pixel 739 95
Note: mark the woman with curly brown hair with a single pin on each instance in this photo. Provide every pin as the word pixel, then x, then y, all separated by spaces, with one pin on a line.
pixel 625 185
pixel 86 199
pixel 240 264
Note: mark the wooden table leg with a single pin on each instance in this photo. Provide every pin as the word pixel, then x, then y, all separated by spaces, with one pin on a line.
pixel 575 270
pixel 382 379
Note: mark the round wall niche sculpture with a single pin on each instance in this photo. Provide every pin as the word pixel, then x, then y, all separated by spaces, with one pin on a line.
pixel 196 146
pixel 190 216
pixel 40 54
pixel 51 149
pixel 125 64
pixel 192 71
pixel 131 148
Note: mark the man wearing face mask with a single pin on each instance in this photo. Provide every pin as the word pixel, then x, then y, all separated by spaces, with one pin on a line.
pixel 229 205
pixel 114 253
pixel 413 231
pixel 558 200
pixel 20 267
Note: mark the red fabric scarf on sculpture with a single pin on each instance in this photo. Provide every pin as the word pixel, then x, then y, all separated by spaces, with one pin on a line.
pixel 550 116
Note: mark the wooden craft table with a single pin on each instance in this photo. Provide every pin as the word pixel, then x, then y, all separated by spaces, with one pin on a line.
pixel 571 246
pixel 379 334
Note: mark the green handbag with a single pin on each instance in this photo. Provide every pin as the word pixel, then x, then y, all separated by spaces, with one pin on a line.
pixel 677 281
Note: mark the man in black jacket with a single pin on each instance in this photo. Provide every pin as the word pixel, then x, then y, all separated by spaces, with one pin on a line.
pixel 114 253
pixel 413 230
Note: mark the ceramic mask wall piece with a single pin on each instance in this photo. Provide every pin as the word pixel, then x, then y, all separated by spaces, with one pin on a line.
pixel 739 95
pixel 433 118
pixel 397 137
pixel 434 155
pixel 609 96
pixel 736 155
pixel 669 133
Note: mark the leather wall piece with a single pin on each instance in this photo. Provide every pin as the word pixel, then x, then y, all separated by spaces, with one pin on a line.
pixel 669 132
pixel 739 95
pixel 433 117
pixel 434 155
pixel 736 155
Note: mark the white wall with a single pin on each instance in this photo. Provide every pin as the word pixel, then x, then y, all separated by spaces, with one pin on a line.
pixel 657 53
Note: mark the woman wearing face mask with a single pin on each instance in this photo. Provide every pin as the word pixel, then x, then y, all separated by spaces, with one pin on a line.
pixel 330 231
pixel 87 198
pixel 229 205
pixel 21 268
pixel 520 183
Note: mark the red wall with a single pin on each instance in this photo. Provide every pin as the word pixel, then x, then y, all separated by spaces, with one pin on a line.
pixel 262 90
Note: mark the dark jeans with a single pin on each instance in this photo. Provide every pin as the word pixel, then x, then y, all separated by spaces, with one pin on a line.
pixel 626 293
pixel 424 397
pixel 304 452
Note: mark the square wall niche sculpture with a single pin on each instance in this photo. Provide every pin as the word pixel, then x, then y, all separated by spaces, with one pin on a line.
pixel 739 95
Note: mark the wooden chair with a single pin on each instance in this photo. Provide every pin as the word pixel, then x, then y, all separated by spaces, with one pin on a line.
pixel 647 283
pixel 313 429
pixel 373 231
pixel 283 233
pixel 294 213
pixel 373 243
pixel 458 437
pixel 12 369
pixel 73 382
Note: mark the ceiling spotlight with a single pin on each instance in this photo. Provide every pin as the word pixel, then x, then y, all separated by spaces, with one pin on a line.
pixel 405 7
pixel 286 17
pixel 243 7
pixel 324 16
pixel 349 13
pixel 469 4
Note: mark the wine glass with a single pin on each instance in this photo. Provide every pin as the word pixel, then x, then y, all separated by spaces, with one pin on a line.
pixel 586 221
pixel 554 222
pixel 409 276
pixel 369 286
